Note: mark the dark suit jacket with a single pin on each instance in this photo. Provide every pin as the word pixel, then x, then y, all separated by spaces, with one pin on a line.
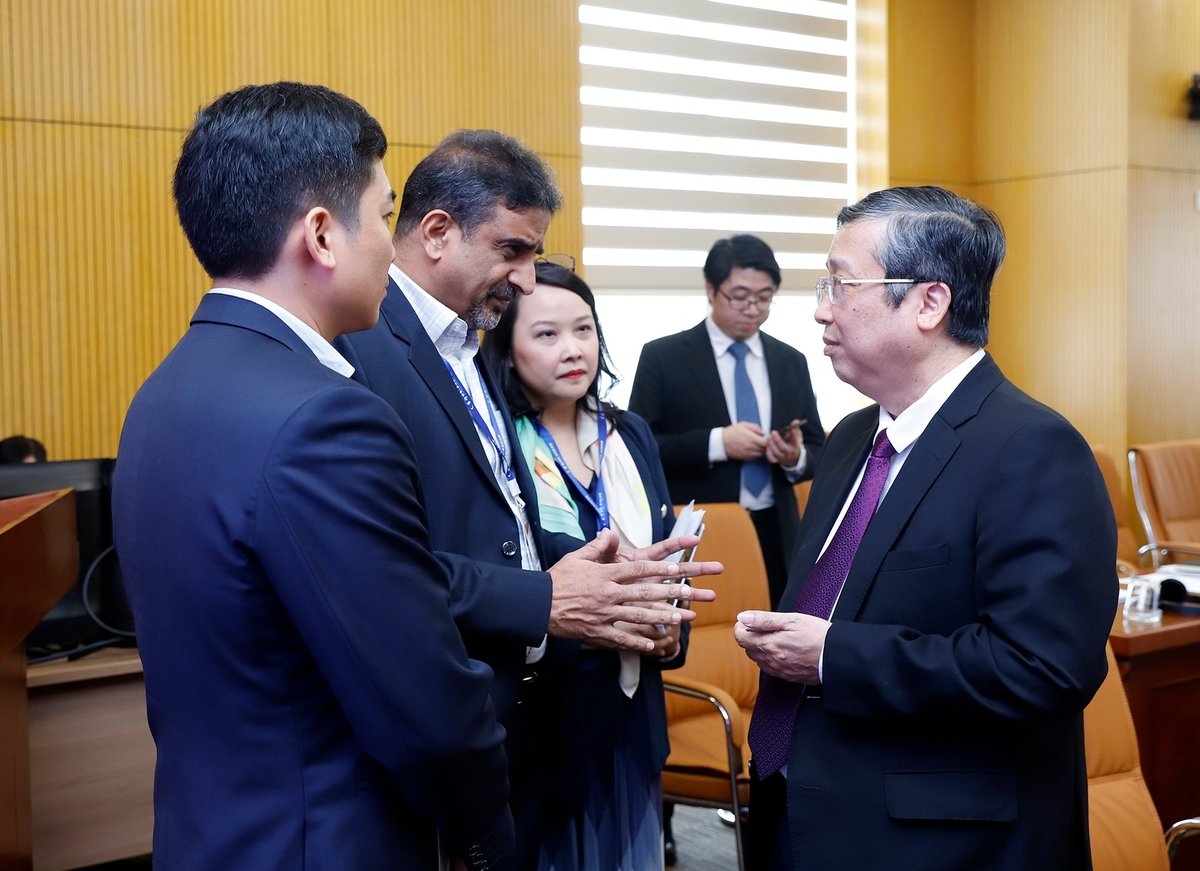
pixel 499 607
pixel 678 391
pixel 966 642
pixel 580 726
pixel 311 699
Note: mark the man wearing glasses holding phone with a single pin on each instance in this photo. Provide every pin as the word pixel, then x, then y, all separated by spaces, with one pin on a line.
pixel 733 408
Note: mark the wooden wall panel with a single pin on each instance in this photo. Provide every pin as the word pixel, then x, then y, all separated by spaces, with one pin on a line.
pixel 7 63
pixel 931 56
pixel 1163 57
pixel 1163 275
pixel 1164 306
pixel 95 99
pixel 99 284
pixel 1058 305
pixel 1051 87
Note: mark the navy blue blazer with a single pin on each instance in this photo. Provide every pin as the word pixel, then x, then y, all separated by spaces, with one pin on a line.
pixel 499 607
pixel 310 696
pixel 570 720
pixel 969 636
pixel 677 389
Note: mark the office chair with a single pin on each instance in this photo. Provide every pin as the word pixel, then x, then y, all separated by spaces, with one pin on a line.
pixel 710 698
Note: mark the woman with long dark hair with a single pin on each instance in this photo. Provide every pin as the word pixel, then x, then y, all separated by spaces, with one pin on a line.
pixel 594 467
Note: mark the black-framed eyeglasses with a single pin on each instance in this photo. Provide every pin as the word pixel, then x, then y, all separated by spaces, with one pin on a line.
pixel 762 299
pixel 566 261
pixel 835 288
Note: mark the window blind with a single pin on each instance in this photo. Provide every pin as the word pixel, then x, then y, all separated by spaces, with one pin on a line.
pixel 704 118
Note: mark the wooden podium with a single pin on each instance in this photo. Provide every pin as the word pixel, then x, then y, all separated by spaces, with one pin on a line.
pixel 38 564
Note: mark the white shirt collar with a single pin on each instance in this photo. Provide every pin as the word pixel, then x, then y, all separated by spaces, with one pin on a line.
pixel 906 428
pixel 325 353
pixel 448 332
pixel 721 342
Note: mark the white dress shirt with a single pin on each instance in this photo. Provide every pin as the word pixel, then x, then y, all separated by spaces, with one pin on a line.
pixel 756 368
pixel 325 352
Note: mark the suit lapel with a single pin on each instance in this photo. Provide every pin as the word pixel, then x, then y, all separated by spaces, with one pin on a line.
pixel 930 454
pixel 777 381
pixel 429 365
pixel 701 366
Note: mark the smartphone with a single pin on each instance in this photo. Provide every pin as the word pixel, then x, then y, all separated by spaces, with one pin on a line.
pixel 688 557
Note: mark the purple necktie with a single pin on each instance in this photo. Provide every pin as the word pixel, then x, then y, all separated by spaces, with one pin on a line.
pixel 770 733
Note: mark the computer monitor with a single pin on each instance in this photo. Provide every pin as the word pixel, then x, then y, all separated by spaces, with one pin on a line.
pixel 94 610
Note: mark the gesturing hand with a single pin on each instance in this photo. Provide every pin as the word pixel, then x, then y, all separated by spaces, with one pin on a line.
pixel 594 587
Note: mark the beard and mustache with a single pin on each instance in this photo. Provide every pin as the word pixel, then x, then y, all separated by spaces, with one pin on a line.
pixel 481 316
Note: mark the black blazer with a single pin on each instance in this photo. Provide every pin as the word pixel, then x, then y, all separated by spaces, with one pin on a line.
pixel 499 607
pixel 968 638
pixel 572 715
pixel 678 391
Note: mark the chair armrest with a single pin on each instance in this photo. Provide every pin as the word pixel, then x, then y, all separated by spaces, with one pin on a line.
pixel 715 696
pixel 1178 831
pixel 1157 550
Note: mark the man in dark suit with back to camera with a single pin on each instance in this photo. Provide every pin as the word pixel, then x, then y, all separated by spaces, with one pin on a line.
pixel 945 620
pixel 473 217
pixel 311 699
pixel 732 408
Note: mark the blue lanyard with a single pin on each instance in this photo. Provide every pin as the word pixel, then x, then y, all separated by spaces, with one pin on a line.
pixel 505 466
pixel 600 503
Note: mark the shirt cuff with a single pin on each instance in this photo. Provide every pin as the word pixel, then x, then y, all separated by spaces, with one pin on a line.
pixel 716 447
pixel 796 472
pixel 534 654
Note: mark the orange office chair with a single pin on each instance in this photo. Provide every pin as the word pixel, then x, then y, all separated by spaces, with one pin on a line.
pixel 709 699
pixel 1128 562
pixel 1166 490
pixel 1125 830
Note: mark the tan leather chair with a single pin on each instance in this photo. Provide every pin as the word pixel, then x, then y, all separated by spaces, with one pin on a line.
pixel 801 491
pixel 1128 562
pixel 1166 490
pixel 1125 830
pixel 709 699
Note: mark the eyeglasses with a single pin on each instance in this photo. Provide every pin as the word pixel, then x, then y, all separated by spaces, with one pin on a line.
pixel 835 288
pixel 744 300
pixel 566 261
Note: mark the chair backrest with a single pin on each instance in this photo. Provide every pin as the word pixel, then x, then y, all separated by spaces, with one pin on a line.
pixel 1125 830
pixel 1166 489
pixel 713 654
pixel 1127 546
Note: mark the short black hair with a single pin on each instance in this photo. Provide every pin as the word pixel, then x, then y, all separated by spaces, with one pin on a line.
pixel 933 234
pixel 740 252
pixel 497 346
pixel 470 173
pixel 18 449
pixel 258 158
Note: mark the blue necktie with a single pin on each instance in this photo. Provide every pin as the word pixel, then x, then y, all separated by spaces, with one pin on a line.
pixel 756 474
pixel 770 733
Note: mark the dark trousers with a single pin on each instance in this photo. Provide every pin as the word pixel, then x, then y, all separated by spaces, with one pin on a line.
pixel 768 847
pixel 770 540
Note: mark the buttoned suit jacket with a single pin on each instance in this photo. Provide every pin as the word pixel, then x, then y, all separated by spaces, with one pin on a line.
pixel 968 637
pixel 311 699
pixel 677 389
pixel 499 607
